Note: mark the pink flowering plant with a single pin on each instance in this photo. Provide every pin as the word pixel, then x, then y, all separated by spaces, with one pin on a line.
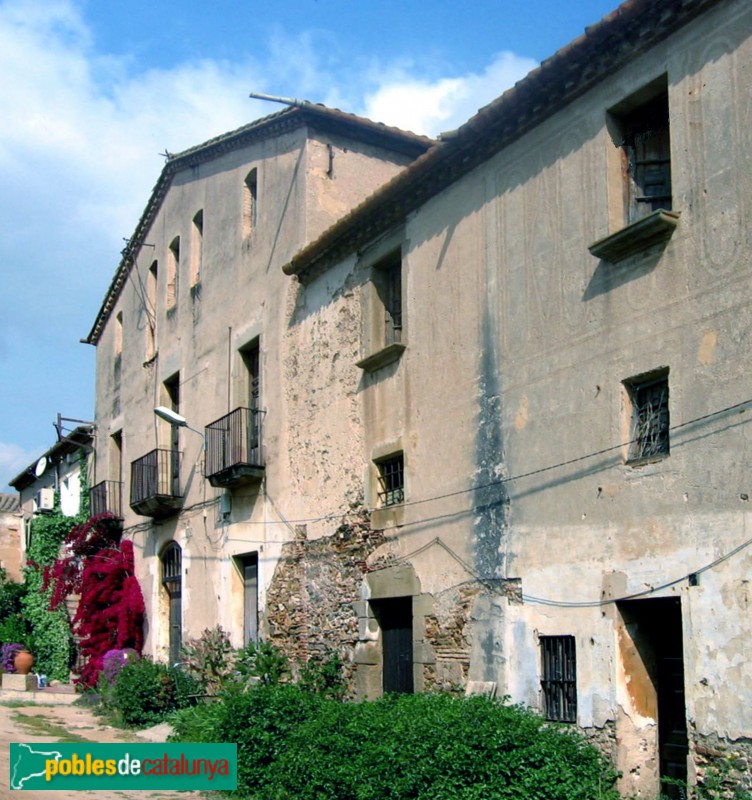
pixel 114 660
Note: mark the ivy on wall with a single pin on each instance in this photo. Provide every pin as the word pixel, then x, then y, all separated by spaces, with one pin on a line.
pixel 50 630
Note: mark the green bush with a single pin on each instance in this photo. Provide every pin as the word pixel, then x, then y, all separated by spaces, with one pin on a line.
pixel 210 659
pixel 146 692
pixel 263 662
pixel 10 596
pixel 293 745
pixel 15 629
pixel 323 677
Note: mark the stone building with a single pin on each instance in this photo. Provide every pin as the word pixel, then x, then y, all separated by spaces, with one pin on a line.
pixel 493 425
pixel 550 397
pixel 194 324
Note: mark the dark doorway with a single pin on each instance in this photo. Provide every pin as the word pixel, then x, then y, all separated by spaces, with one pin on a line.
pixel 249 571
pixel 655 628
pixel 172 580
pixel 395 617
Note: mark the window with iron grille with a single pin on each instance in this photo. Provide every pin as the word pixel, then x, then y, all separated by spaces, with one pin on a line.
pixel 649 435
pixel 391 480
pixel 558 678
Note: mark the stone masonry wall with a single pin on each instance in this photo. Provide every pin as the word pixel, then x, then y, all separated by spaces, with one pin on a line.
pixel 309 611
pixel 723 767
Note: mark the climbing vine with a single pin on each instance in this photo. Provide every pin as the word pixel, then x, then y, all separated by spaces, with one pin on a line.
pixel 100 568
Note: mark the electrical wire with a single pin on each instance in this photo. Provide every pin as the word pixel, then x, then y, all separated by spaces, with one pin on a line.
pixel 341 515
pixel 437 541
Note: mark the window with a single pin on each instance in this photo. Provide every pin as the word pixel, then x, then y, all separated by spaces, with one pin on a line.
pixel 641 130
pixel 391 479
pixel 172 401
pixel 118 343
pixel 172 580
pixel 197 248
pixel 388 282
pixel 384 339
pixel 648 397
pixel 151 311
pixel 173 273
pixel 250 202
pixel 250 356
pixel 558 678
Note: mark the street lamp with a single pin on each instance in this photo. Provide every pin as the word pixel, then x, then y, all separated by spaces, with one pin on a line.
pixel 175 419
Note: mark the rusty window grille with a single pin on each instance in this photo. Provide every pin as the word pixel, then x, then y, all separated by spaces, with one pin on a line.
pixel 391 480
pixel 559 678
pixel 650 418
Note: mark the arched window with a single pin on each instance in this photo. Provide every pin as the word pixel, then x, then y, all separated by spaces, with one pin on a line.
pixel 172 580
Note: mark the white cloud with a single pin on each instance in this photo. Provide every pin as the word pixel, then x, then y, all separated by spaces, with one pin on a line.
pixel 445 103
pixel 13 459
pixel 80 135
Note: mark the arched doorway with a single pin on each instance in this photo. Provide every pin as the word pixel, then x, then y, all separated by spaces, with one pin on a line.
pixel 172 580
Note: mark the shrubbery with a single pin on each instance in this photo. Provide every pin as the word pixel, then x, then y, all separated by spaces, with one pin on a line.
pixel 145 692
pixel 293 744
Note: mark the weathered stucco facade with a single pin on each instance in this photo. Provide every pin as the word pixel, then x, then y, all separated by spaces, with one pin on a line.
pixel 195 320
pixel 504 400
pixel 517 394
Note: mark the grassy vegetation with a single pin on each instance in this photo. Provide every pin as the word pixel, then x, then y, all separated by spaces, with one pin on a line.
pixel 41 726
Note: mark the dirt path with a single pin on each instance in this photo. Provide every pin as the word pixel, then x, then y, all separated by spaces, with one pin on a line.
pixel 38 723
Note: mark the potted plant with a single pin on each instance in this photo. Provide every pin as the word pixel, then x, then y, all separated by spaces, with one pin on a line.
pixel 17 658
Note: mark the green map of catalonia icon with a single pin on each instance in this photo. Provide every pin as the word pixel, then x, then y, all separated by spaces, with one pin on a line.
pixel 30 764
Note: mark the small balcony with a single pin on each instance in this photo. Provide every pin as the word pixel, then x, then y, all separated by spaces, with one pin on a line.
pixel 106 497
pixel 233 449
pixel 155 483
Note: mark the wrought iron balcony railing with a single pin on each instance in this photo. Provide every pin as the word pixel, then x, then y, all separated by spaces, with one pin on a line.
pixel 106 496
pixel 233 448
pixel 155 483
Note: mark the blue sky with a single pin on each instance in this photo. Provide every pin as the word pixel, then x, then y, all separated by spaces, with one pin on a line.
pixel 93 91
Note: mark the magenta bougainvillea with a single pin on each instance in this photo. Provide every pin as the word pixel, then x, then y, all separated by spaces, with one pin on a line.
pixel 99 568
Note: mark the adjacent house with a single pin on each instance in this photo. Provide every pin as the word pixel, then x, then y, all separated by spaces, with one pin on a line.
pixel 11 530
pixel 491 429
pixel 57 471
